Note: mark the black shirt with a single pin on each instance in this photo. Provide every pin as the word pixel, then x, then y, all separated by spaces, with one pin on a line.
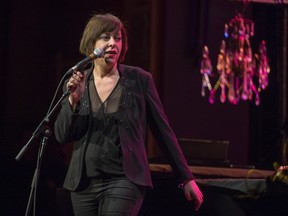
pixel 103 153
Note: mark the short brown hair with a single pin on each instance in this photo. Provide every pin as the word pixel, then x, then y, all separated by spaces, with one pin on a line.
pixel 99 24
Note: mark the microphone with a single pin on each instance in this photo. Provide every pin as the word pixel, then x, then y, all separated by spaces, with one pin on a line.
pixel 97 53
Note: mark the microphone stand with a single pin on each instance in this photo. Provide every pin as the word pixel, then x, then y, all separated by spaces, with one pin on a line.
pixel 45 131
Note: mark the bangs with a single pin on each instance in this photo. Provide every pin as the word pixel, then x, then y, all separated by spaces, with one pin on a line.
pixel 111 26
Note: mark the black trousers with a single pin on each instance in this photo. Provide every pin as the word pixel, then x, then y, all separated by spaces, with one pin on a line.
pixel 109 196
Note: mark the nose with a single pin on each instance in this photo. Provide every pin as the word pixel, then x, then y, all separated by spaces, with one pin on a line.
pixel 111 42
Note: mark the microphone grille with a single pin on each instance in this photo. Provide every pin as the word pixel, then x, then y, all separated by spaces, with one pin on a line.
pixel 98 52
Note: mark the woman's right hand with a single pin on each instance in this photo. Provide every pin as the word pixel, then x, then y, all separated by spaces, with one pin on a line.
pixel 76 86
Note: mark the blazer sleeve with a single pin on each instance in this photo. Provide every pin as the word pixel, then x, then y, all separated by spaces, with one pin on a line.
pixel 164 135
pixel 71 126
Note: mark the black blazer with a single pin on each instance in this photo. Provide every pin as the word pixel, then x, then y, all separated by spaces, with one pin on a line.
pixel 139 107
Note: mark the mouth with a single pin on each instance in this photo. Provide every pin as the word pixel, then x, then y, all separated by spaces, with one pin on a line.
pixel 111 52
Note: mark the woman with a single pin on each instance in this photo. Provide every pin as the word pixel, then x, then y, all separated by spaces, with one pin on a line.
pixel 106 116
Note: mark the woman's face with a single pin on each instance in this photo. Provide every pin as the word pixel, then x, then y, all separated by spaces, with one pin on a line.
pixel 111 43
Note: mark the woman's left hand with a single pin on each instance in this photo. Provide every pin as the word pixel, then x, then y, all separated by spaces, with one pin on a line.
pixel 193 193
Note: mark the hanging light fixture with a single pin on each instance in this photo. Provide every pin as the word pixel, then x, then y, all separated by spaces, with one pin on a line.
pixel 241 75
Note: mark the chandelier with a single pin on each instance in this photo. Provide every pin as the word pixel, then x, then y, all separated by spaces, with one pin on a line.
pixel 241 75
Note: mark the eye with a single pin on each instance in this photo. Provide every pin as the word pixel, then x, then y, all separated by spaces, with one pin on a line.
pixel 105 37
pixel 118 38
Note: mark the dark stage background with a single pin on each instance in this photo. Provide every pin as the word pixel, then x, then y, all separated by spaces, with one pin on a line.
pixel 39 43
